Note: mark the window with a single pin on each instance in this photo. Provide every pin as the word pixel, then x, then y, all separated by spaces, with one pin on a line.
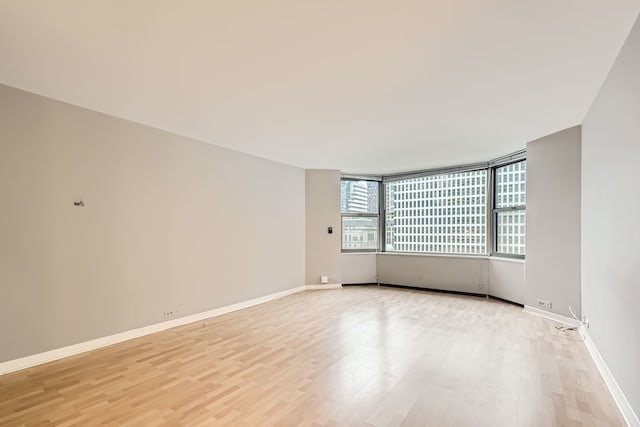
pixel 447 211
pixel 509 211
pixel 359 206
pixel 443 213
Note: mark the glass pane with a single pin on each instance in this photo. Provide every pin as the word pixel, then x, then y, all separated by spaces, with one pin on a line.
pixel 511 185
pixel 359 196
pixel 511 232
pixel 359 233
pixel 439 213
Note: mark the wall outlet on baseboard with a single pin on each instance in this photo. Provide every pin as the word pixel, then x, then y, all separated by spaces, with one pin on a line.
pixel 324 279
pixel 585 321
pixel 170 313
pixel 544 303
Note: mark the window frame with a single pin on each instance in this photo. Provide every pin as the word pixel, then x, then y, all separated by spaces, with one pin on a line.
pixel 362 215
pixel 496 210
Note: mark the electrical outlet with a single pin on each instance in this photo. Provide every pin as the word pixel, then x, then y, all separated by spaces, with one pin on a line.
pixel 585 321
pixel 170 313
pixel 544 303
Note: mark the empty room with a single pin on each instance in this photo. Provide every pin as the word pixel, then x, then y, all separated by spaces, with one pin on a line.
pixel 298 213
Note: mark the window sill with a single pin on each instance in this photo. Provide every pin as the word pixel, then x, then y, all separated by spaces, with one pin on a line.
pixel 496 258
pixel 359 252
pixel 417 254
pixel 506 259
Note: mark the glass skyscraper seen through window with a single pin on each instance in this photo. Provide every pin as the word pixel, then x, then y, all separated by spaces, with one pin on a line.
pixel 437 213
pixel 359 208
pixel 510 208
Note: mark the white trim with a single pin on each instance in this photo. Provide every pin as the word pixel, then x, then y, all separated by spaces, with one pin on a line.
pixel 628 414
pixel 492 258
pixel 498 258
pixel 59 353
pixel 325 286
pixel 433 255
pixel 553 316
pixel 372 253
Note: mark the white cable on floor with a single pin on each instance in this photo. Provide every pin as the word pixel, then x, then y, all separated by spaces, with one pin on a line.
pixel 571 328
pixel 575 316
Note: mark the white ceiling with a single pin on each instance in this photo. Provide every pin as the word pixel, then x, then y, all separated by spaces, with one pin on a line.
pixel 365 86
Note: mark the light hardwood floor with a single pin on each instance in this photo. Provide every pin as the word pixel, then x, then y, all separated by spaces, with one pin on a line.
pixel 357 356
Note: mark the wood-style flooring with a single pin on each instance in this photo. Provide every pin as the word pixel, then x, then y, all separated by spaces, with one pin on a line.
pixel 357 356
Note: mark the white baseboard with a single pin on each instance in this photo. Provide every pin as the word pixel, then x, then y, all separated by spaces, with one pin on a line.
pixel 59 353
pixel 553 316
pixel 627 411
pixel 323 286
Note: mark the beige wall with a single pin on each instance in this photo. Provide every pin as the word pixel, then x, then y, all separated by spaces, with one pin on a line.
pixel 553 221
pixel 358 268
pixel 455 273
pixel 611 220
pixel 323 211
pixel 502 278
pixel 506 278
pixel 169 224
